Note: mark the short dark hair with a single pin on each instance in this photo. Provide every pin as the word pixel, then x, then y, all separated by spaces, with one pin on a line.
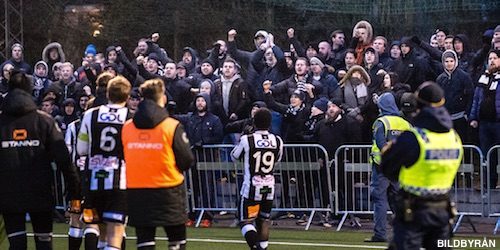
pixel 262 119
pixel 152 89
pixel 352 52
pixel 118 89
pixel 336 32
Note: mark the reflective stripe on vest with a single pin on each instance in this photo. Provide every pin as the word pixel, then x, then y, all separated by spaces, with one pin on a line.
pixel 150 157
pixel 437 165
pixel 393 127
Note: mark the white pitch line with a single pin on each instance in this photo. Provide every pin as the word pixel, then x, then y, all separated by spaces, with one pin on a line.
pixel 244 242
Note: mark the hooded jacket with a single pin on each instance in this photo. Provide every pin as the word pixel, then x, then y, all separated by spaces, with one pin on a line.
pixel 46 51
pixel 464 58
pixel 31 141
pixel 163 198
pixel 356 45
pixel 202 130
pixel 191 67
pixel 40 83
pixel 458 88
pixel 411 69
pixel 387 106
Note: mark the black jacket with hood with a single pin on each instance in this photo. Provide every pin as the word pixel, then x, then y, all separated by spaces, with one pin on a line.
pixel 458 88
pixel 30 142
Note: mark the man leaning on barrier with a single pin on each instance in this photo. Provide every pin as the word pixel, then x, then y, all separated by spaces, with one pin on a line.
pixel 425 161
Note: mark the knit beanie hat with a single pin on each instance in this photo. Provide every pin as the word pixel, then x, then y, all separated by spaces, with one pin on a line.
pixel 90 50
pixel 321 104
pixel 299 94
pixel 316 60
pixel 430 94
pixel 207 60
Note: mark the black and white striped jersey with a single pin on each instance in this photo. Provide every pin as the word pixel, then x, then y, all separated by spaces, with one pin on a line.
pixel 260 151
pixel 100 139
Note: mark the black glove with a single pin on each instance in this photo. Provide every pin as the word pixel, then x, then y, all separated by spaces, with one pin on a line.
pixel 416 40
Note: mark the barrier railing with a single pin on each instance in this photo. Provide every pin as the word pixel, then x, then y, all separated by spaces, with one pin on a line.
pixel 353 175
pixel 492 193
pixel 303 180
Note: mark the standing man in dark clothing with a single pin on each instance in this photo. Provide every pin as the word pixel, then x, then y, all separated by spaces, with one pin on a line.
pixel 17 59
pixel 338 49
pixel 424 160
pixel 411 69
pixel 30 142
pixel 231 94
pixel 458 91
pixel 152 137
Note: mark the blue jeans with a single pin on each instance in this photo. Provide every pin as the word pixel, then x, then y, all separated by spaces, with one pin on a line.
pixel 379 187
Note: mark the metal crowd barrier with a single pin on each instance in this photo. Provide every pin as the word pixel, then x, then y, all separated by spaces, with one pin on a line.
pixel 353 175
pixel 492 193
pixel 303 180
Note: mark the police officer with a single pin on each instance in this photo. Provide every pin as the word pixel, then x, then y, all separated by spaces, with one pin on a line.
pixel 387 127
pixel 30 141
pixel 425 160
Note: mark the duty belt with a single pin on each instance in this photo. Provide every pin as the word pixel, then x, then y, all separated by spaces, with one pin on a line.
pixel 425 192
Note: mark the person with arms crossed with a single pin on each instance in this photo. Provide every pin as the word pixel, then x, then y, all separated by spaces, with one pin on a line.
pixel 260 151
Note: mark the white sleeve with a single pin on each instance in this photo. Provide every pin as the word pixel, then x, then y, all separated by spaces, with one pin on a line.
pixel 67 137
pixel 83 140
pixel 239 149
pixel 280 153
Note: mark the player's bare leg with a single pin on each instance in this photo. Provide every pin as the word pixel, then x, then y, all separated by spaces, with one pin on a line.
pixel 114 235
pixel 263 232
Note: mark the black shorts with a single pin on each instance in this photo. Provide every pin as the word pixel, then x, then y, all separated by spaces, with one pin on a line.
pixel 249 210
pixel 105 206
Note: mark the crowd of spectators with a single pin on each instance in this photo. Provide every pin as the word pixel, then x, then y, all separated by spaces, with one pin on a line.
pixel 322 92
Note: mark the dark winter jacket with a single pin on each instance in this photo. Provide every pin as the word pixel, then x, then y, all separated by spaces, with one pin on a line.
pixel 21 66
pixel 458 90
pixel 31 141
pixel 202 130
pixel 329 84
pixel 238 100
pixel 284 89
pixel 294 119
pixel 274 74
pixel 413 70
pixel 486 100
